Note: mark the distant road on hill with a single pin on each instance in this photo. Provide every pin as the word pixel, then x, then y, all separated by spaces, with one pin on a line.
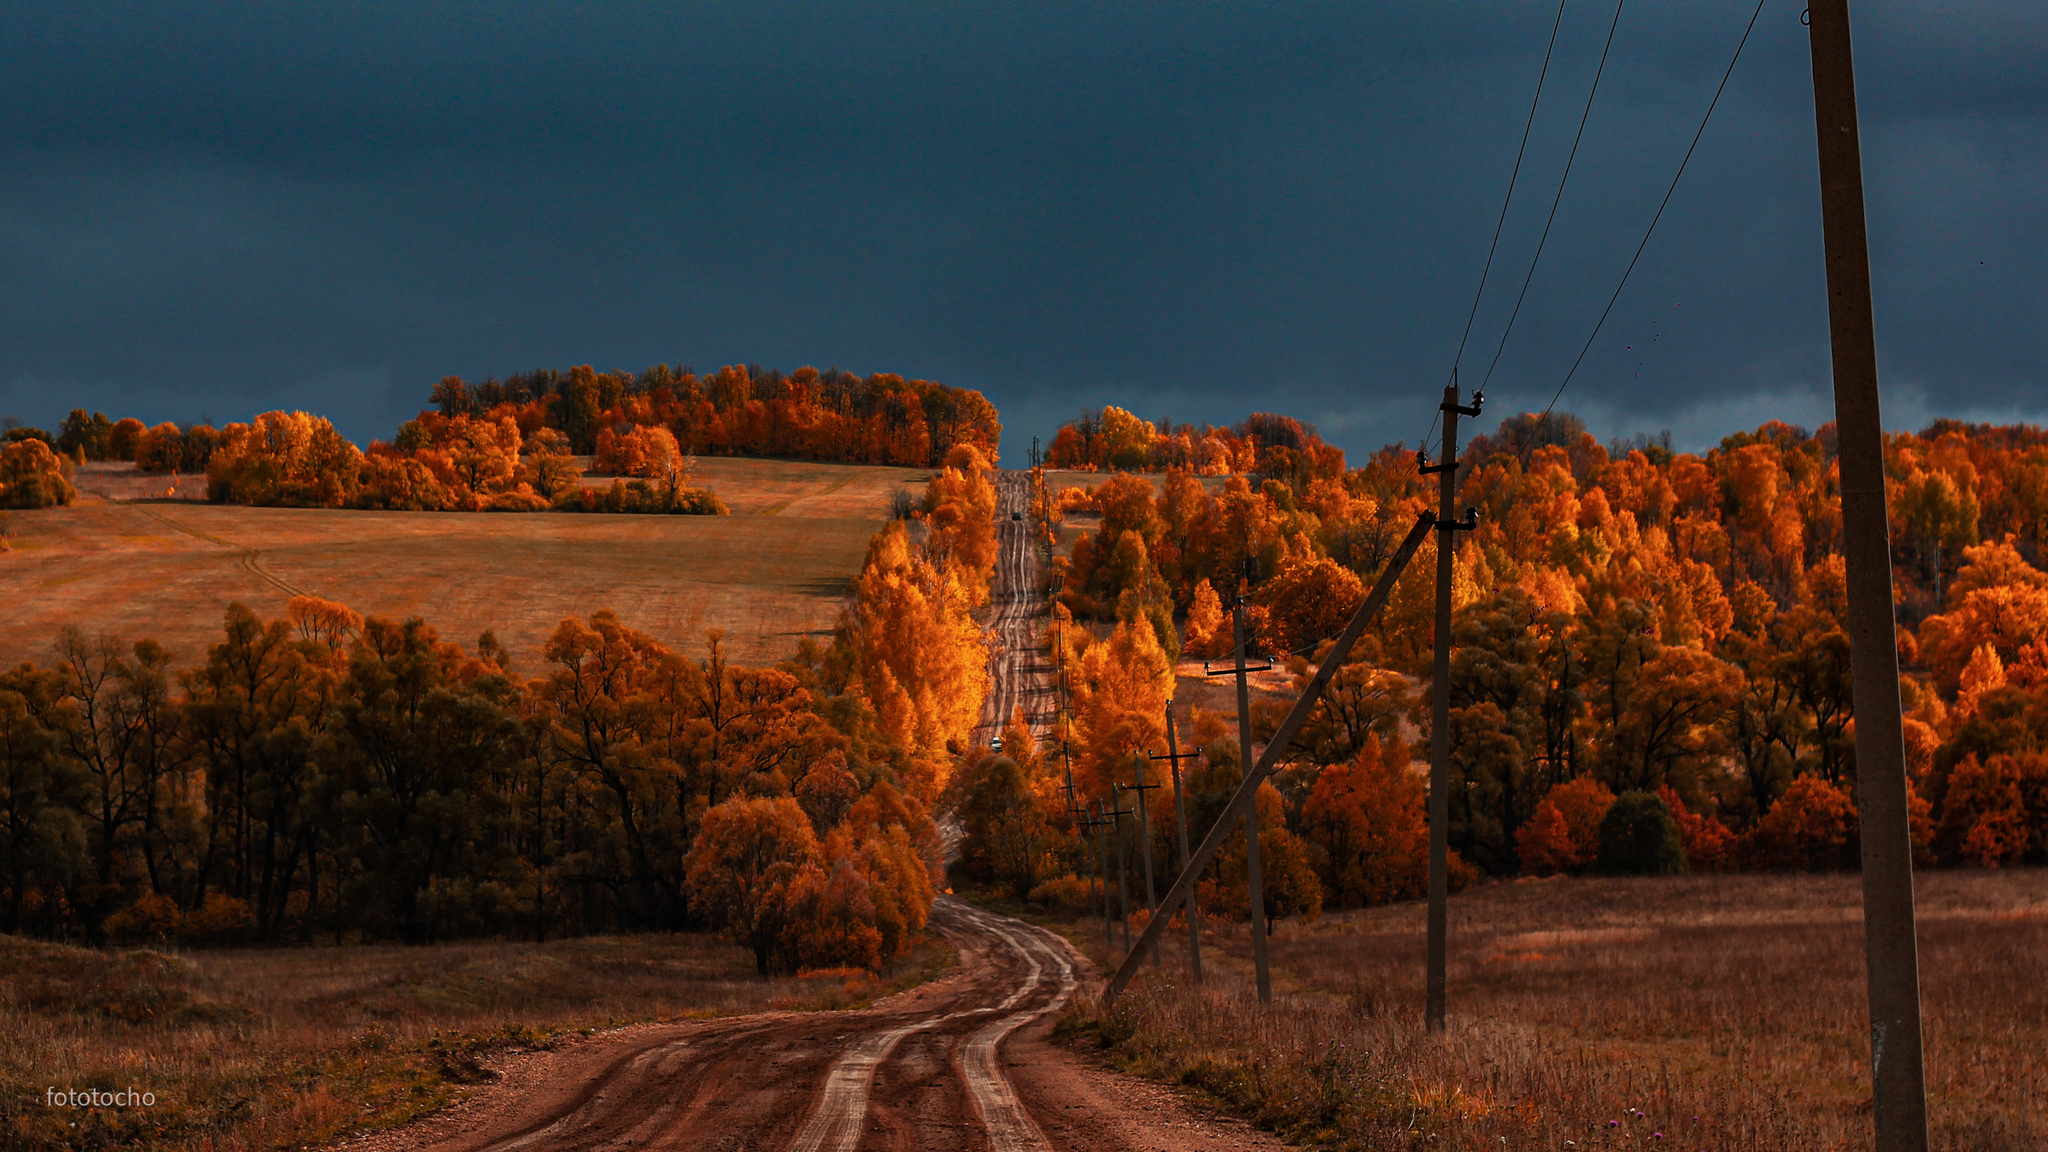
pixel 1020 663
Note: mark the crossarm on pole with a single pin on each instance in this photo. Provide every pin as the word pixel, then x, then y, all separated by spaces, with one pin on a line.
pixel 1184 884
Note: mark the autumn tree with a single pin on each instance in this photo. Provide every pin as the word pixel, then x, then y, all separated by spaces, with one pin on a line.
pixel 253 713
pixel 86 435
pixel 740 871
pixel 42 848
pixel 1639 837
pixel 1310 600
pixel 1808 829
pixel 284 458
pixel 921 659
pixel 547 465
pixel 959 510
pixel 1367 817
pixel 32 476
pixel 117 723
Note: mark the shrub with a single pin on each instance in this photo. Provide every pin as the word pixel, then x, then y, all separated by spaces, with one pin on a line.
pixel 520 499
pixel 1639 837
pixel 150 917
pixel 220 919
pixel 1067 893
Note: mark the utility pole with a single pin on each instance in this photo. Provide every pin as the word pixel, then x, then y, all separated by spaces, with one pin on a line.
pixel 1145 846
pixel 1251 814
pixel 1123 886
pixel 1180 819
pixel 1447 528
pixel 1097 824
pixel 1078 817
pixel 1890 938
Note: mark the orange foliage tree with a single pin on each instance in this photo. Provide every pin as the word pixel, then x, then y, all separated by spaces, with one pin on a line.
pixel 1368 818
pixel 32 476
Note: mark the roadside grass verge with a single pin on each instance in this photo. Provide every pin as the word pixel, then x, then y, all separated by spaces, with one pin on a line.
pixel 1708 1012
pixel 286 1048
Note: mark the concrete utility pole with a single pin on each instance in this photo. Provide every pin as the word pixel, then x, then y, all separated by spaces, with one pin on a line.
pixel 1447 527
pixel 1145 846
pixel 1251 815
pixel 1890 941
pixel 1180 819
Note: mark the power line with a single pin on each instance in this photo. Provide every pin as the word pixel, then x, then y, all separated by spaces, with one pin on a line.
pixel 1513 176
pixel 1660 207
pixel 1562 180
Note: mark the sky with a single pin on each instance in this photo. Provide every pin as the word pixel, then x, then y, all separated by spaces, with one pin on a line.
pixel 1193 210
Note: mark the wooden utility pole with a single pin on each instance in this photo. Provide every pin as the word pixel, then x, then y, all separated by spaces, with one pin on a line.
pixel 1145 846
pixel 1891 948
pixel 1078 816
pixel 1123 886
pixel 1251 814
pixel 1447 527
pixel 1180 819
pixel 1097 823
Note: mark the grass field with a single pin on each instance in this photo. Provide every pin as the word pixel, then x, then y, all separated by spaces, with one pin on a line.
pixel 274 1047
pixel 772 572
pixel 1725 1012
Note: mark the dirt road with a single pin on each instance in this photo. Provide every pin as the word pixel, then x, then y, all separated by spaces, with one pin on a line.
pixel 962 1063
pixel 1020 665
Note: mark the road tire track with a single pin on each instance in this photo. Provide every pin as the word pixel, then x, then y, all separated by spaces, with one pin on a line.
pixel 1019 663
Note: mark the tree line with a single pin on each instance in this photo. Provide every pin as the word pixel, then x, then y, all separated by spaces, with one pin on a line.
pixel 742 411
pixel 1648 648
pixel 326 776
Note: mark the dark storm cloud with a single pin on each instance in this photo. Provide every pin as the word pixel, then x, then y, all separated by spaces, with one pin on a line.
pixel 1189 210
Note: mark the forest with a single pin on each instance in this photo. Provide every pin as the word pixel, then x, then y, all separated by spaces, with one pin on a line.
pixel 1650 671
pixel 322 776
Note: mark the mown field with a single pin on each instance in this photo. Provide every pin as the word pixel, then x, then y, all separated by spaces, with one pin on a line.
pixel 268 1048
pixel 127 562
pixel 1703 1012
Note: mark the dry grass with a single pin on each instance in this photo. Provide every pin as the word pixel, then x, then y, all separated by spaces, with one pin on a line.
pixel 1725 1012
pixel 774 571
pixel 279 1047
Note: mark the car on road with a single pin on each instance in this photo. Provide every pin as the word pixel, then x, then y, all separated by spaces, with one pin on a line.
pixel 1016 515
pixel 996 745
